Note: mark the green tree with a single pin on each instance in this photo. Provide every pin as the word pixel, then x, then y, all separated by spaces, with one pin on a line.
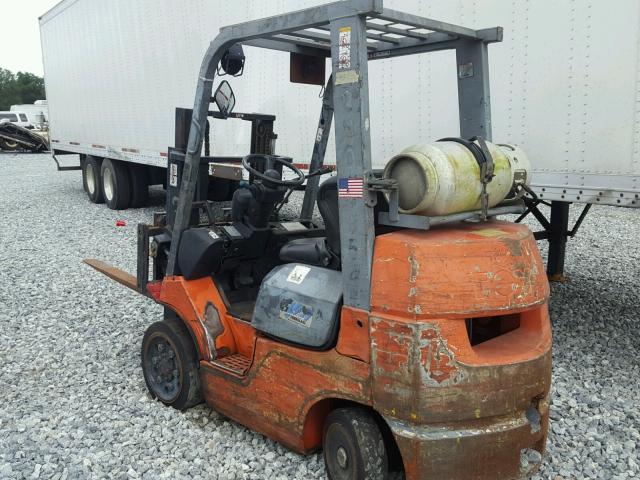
pixel 22 87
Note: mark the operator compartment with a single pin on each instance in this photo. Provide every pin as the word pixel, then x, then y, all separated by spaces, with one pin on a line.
pixel 248 254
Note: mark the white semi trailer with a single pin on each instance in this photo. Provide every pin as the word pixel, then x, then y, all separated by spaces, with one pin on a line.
pixel 565 86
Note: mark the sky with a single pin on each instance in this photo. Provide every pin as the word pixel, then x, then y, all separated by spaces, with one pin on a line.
pixel 20 35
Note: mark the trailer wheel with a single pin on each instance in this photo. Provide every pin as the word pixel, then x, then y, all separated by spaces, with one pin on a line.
pixel 92 179
pixel 9 145
pixel 353 445
pixel 170 364
pixel 83 161
pixel 139 175
pixel 115 184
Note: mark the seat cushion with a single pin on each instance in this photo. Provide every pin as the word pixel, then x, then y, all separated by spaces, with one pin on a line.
pixel 312 251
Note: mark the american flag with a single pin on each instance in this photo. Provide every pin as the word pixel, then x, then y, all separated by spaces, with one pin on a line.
pixel 350 187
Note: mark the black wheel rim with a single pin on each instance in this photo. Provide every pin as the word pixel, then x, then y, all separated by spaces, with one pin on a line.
pixel 339 454
pixel 162 366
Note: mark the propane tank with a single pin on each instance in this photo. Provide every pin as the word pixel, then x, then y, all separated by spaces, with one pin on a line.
pixel 442 178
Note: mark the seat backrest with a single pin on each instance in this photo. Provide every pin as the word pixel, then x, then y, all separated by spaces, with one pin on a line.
pixel 328 205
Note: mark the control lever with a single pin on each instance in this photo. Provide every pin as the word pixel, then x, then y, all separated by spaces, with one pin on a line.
pixel 321 171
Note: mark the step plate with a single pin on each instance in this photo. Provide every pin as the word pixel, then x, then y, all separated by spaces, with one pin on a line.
pixel 237 363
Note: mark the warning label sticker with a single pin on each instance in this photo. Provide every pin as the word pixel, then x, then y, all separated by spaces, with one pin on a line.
pixel 344 48
pixel 173 175
pixel 298 274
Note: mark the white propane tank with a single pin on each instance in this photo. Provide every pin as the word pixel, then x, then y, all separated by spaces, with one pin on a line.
pixel 444 177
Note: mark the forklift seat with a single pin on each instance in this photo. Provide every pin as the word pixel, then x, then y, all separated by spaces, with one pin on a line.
pixel 323 251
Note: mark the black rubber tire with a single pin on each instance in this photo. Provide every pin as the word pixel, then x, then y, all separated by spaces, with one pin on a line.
pixel 116 185
pixel 93 166
pixel 139 175
pixel 83 161
pixel 9 146
pixel 187 391
pixel 353 445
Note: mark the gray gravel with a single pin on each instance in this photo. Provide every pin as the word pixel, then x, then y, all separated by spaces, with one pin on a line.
pixel 73 400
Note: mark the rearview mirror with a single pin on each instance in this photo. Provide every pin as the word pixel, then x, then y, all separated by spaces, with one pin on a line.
pixel 224 98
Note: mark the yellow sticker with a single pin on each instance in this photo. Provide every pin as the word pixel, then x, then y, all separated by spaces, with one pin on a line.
pixel 347 76
pixel 490 232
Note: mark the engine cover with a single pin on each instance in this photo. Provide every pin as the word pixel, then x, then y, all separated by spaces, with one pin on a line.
pixel 300 304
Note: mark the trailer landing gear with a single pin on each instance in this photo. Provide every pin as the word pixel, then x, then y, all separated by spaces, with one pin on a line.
pixel 556 231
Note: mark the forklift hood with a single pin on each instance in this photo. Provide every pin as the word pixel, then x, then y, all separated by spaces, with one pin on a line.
pixel 475 268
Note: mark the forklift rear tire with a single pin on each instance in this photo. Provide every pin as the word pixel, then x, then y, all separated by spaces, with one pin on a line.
pixel 170 364
pixel 116 185
pixel 92 179
pixel 354 447
pixel 139 175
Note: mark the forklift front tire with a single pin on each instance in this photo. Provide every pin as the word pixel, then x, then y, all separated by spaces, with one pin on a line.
pixel 354 447
pixel 170 364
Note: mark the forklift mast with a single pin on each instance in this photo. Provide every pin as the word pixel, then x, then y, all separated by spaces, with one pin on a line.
pixel 353 36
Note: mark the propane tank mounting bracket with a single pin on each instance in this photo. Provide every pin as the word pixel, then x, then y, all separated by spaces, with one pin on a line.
pixel 420 222
pixel 389 186
pixel 393 218
pixel 481 153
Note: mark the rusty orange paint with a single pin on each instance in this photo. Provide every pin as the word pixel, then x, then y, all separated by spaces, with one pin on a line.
pixel 283 385
pixel 353 338
pixel 455 272
pixel 410 358
pixel 189 300
pixel 425 370
pixel 244 335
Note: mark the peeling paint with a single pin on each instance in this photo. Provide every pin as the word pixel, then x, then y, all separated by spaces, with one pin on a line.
pixel 438 360
pixel 415 269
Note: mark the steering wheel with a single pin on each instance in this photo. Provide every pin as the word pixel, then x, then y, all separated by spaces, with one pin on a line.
pixel 247 161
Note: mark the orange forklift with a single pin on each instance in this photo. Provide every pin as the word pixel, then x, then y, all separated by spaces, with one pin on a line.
pixel 391 337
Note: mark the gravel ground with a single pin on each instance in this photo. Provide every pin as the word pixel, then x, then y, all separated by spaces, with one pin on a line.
pixel 73 400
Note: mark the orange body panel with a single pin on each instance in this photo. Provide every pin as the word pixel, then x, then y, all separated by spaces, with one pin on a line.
pixel 476 268
pixel 283 386
pixel 354 340
pixel 189 299
pixel 457 410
